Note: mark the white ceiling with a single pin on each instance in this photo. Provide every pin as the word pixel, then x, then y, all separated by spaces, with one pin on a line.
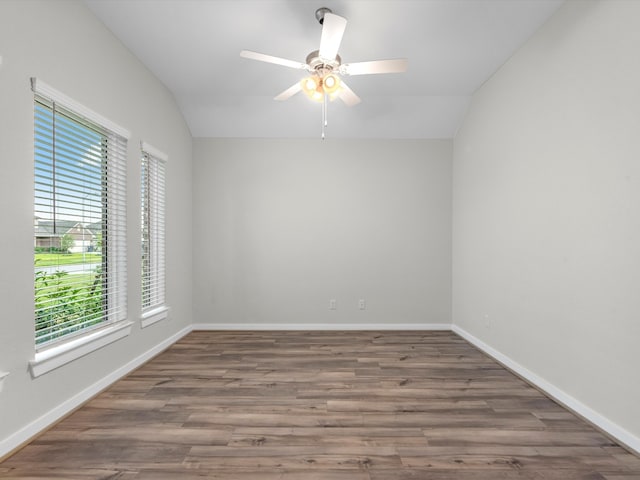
pixel 193 47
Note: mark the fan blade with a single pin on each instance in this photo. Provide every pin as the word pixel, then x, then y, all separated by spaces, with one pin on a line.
pixel 270 59
pixel 347 95
pixel 289 92
pixel 332 30
pixel 396 65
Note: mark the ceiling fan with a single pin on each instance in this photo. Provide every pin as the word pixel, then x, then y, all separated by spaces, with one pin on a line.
pixel 325 65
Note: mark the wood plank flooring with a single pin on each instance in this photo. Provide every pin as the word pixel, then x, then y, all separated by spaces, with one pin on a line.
pixel 322 406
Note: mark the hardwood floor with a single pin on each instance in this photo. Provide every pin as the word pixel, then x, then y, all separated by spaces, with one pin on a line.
pixel 322 405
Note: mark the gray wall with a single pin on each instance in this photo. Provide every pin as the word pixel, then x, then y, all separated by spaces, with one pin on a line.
pixel 282 226
pixel 546 229
pixel 64 45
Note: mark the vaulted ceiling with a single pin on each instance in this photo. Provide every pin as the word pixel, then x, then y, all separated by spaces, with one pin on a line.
pixel 193 46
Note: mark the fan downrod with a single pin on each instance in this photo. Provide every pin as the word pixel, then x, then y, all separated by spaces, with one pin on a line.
pixel 320 14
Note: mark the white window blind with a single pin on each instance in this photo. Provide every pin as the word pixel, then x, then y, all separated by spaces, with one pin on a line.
pixel 79 219
pixel 153 228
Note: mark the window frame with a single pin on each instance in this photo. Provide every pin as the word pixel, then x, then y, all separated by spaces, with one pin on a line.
pixel 153 163
pixel 54 352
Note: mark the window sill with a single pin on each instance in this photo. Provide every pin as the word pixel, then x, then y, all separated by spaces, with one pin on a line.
pixel 154 316
pixel 3 375
pixel 59 355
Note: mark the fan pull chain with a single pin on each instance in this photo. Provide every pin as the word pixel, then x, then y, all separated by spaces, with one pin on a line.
pixel 326 110
pixel 324 115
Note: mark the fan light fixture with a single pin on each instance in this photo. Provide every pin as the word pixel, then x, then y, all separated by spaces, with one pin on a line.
pixel 330 84
pixel 316 87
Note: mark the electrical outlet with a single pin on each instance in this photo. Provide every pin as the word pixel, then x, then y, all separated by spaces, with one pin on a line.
pixel 361 304
pixel 333 304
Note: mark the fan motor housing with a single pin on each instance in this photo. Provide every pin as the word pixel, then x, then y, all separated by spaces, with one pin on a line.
pixel 322 65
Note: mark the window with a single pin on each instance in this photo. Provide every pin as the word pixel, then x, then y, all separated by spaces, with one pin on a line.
pixel 153 225
pixel 79 219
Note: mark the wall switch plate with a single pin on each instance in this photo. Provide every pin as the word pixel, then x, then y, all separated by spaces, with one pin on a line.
pixel 333 304
pixel 361 304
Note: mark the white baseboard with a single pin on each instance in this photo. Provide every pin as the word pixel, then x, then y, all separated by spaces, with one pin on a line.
pixel 23 435
pixel 321 326
pixel 614 430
